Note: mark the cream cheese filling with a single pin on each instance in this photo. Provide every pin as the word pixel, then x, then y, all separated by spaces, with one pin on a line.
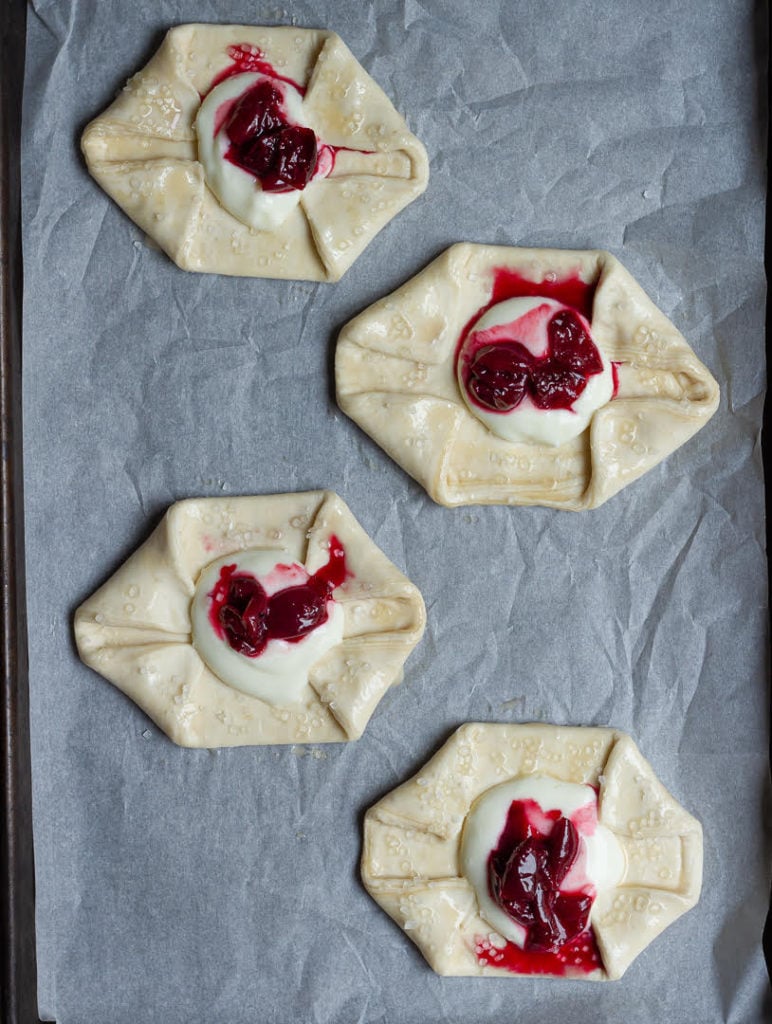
pixel 600 863
pixel 236 189
pixel 279 674
pixel 527 423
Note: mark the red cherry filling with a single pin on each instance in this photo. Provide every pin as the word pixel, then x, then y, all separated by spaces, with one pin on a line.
pixel 280 155
pixel 556 387
pixel 571 346
pixel 296 611
pixel 499 376
pixel 525 873
pixel 243 614
pixel 257 112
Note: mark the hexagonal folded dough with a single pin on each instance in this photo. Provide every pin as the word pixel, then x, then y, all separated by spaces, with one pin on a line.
pixel 396 377
pixel 143 152
pixel 410 859
pixel 136 629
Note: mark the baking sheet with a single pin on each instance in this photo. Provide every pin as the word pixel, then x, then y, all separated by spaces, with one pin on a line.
pixel 222 886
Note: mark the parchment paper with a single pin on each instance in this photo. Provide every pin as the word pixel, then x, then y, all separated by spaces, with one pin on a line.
pixel 193 886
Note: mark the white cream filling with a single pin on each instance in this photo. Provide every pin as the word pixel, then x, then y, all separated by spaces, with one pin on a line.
pixel 528 423
pixel 279 674
pixel 600 862
pixel 236 189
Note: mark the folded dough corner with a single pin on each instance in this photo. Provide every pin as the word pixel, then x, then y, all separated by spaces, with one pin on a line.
pixel 136 631
pixel 143 152
pixel 395 371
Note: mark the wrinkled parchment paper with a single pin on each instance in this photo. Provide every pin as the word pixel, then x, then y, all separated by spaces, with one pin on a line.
pixel 193 886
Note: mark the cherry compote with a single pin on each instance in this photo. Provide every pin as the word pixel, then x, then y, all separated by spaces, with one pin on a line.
pixel 246 617
pixel 282 156
pixel 525 873
pixel 500 376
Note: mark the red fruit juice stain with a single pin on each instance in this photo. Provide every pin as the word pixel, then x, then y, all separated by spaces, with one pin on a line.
pixel 580 956
pixel 535 852
pixel 250 60
pixel 508 284
pixel 570 291
pixel 242 613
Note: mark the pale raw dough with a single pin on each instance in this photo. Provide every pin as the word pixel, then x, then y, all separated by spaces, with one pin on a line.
pixel 143 152
pixel 396 377
pixel 136 629
pixel 410 859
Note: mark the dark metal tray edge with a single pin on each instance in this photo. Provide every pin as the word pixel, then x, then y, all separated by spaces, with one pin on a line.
pixel 18 994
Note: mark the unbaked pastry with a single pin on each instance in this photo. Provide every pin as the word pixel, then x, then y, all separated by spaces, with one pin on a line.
pixel 140 629
pixel 415 839
pixel 143 151
pixel 396 375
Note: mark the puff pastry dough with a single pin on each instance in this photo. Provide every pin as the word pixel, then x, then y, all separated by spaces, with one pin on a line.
pixel 410 859
pixel 396 377
pixel 136 629
pixel 143 152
